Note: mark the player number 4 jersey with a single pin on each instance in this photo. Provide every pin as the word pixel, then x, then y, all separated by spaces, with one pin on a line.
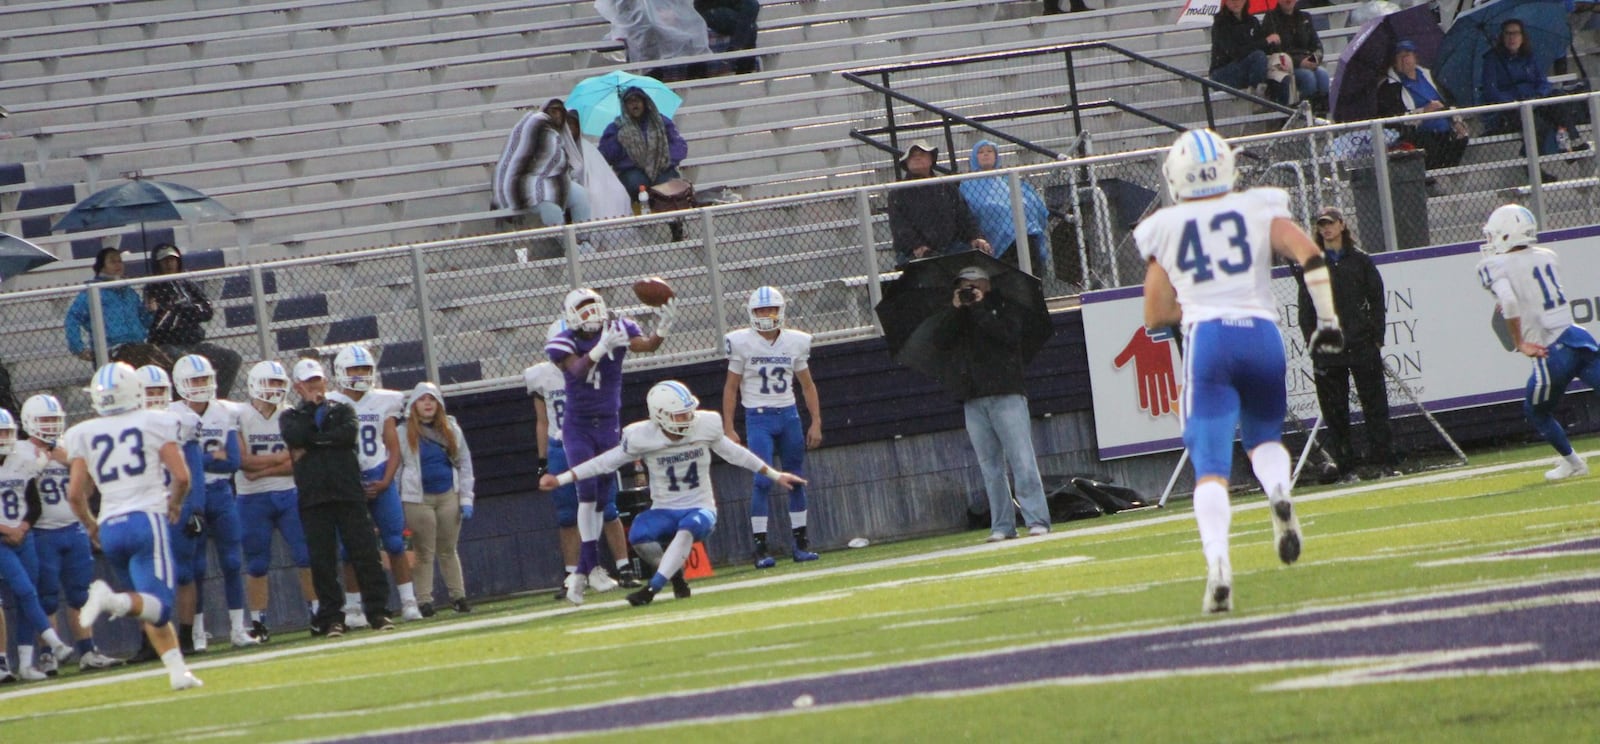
pixel 768 367
pixel 1218 252
pixel 374 408
pixel 123 455
pixel 1532 275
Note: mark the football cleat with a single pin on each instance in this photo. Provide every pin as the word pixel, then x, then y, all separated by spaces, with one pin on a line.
pixel 7 678
pixel 628 578
pixel 410 611
pixel 765 561
pixel 680 587
pixel 461 606
pixel 642 597
pixel 576 583
pixel 243 638
pixel 1565 469
pixel 801 556
pixel 258 630
pixel 1219 589
pixel 65 653
pixel 31 674
pixel 1285 531
pixel 185 681
pixel 96 660
pixel 426 608
pixel 98 603
pixel 600 581
pixel 201 638
pixel 47 663
pixel 382 624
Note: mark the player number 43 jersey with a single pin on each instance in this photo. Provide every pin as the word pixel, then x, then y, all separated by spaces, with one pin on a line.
pixel 1218 252
pixel 768 367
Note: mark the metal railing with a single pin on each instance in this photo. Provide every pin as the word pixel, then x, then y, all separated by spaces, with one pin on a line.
pixel 472 313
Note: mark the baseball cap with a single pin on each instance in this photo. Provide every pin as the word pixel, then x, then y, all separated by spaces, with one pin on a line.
pixel 308 369
pixel 1330 214
pixel 167 250
pixel 973 273
pixel 1405 45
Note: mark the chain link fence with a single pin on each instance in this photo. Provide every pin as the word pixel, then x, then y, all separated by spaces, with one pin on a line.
pixel 472 313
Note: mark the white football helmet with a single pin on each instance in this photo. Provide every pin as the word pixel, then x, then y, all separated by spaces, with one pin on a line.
pixel 765 297
pixel 115 389
pixel 672 407
pixel 585 310
pixel 355 357
pixel 195 378
pixel 1508 227
pixel 8 432
pixel 261 378
pixel 1198 165
pixel 156 387
pixel 43 417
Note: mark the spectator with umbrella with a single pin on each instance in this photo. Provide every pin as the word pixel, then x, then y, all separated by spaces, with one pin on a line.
pixel 1409 89
pixel 642 144
pixel 179 309
pixel 930 219
pixel 1369 56
pixel 973 323
pixel 127 318
pixel 1511 72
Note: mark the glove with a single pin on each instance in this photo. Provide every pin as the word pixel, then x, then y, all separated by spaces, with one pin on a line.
pixel 544 467
pixel 195 527
pixel 611 337
pixel 664 317
pixel 466 511
pixel 1328 338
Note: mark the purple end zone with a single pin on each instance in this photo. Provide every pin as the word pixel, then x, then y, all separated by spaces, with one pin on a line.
pixel 1576 546
pixel 1521 635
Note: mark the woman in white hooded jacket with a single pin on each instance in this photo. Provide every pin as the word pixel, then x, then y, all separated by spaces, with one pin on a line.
pixel 436 487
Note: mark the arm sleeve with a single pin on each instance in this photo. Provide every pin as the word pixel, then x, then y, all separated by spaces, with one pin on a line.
pixel 465 479
pixel 606 462
pixel 35 507
pixel 77 323
pixel 737 455
pixel 677 149
pixel 1380 314
pixel 339 427
pixel 1501 287
pixel 1305 314
pixel 229 465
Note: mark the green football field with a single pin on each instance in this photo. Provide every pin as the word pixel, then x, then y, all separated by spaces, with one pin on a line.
pixel 1461 605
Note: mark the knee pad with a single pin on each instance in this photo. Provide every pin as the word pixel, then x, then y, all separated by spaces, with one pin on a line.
pixel 257 566
pixel 394 543
pixel 566 503
pixel 611 510
pixel 76 598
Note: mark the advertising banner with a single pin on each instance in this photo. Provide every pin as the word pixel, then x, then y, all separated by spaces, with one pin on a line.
pixel 1445 341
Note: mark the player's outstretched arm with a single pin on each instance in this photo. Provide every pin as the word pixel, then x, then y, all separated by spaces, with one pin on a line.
pixel 606 462
pixel 1161 307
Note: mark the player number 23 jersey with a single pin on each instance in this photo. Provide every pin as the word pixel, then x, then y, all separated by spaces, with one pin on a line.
pixel 1218 252
pixel 123 454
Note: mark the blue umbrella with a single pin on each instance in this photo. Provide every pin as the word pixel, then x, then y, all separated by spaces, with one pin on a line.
pixel 1365 61
pixel 18 256
pixel 140 201
pixel 1460 66
pixel 598 100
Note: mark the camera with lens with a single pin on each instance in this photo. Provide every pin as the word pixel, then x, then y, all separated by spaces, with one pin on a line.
pixel 967 295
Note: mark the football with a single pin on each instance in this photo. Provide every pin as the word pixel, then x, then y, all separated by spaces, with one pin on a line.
pixel 653 291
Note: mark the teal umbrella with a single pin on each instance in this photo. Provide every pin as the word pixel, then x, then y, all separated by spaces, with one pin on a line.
pixel 18 256
pixel 140 201
pixel 598 100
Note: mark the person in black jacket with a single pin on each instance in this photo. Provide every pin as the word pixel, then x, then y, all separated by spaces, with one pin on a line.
pixel 982 344
pixel 1239 50
pixel 321 435
pixel 1358 297
pixel 1289 29
pixel 178 309
pixel 932 219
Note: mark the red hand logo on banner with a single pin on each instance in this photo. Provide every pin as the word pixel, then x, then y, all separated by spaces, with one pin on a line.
pixel 1152 365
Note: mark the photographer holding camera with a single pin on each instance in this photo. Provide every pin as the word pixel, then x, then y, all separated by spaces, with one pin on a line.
pixel 178 309
pixel 982 341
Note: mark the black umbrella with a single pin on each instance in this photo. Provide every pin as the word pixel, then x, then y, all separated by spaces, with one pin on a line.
pixel 140 201
pixel 18 256
pixel 916 309
pixel 1367 57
